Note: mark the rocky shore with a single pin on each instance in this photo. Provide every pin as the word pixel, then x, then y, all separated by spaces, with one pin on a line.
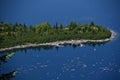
pixel 58 43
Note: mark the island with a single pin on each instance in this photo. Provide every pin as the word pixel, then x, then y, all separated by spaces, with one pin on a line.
pixel 15 36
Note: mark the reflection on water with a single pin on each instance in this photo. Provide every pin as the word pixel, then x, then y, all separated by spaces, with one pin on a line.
pixel 71 62
pixel 38 48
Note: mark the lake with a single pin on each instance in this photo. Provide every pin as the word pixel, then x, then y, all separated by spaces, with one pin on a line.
pixel 68 62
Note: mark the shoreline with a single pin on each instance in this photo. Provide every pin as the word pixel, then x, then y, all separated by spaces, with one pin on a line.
pixel 58 43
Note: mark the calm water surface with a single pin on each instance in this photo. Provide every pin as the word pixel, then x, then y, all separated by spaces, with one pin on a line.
pixel 99 62
pixel 66 63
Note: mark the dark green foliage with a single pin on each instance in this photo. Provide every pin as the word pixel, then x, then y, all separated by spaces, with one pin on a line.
pixel 92 24
pixel 72 25
pixel 19 34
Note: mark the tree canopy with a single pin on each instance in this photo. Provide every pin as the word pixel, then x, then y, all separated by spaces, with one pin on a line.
pixel 18 34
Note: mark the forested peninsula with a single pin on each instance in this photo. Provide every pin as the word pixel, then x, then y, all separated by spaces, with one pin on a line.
pixel 19 35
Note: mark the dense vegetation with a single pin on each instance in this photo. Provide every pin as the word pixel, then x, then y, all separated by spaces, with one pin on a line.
pixel 18 34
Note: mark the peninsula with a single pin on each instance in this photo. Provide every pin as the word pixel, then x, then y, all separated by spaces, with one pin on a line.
pixel 14 36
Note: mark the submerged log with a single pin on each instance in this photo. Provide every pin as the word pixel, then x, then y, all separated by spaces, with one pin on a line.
pixel 8 76
pixel 7 56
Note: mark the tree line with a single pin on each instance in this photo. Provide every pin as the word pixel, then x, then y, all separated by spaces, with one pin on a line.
pixel 19 34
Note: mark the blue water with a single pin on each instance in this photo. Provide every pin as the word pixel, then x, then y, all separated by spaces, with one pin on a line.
pixel 67 62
